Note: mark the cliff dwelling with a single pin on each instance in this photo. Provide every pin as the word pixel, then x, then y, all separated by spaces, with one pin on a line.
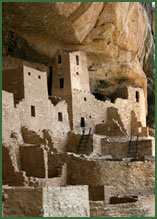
pixel 77 138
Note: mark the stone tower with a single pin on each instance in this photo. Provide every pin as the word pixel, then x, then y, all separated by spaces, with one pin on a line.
pixel 70 73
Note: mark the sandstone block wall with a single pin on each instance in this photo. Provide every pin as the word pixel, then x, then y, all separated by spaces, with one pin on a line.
pixel 69 201
pixel 130 178
pixel 79 71
pixel 44 116
pixel 138 106
pixel 136 126
pixel 7 165
pixel 13 82
pixel 136 209
pixel 93 111
pixel 23 202
pixel 34 161
pixel 73 68
pixel 114 126
pixel 97 144
pixel 35 91
pixel 89 107
pixel 9 116
pixel 57 177
pixel 60 132
pixel 143 207
pixel 121 113
pixel 61 70
pixel 121 149
pixel 47 121
pixel 74 140
pixel 126 106
pixel 10 172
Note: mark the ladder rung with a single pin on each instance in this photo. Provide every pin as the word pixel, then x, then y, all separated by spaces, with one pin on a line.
pixel 84 141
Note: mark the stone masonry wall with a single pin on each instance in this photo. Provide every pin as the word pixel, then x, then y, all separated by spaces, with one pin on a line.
pixel 34 161
pixel 62 70
pixel 9 116
pixel 130 178
pixel 114 126
pixel 126 106
pixel 127 177
pixel 46 115
pixel 89 107
pixel 35 87
pixel 93 111
pixel 121 149
pixel 69 201
pixel 73 142
pixel 60 132
pixel 10 174
pixel 23 202
pixel 124 109
pixel 13 82
pixel 135 209
pixel 79 71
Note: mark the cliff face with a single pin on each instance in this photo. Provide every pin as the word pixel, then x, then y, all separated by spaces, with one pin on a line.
pixel 117 37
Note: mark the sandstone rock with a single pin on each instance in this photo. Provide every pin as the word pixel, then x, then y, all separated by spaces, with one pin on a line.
pixel 116 36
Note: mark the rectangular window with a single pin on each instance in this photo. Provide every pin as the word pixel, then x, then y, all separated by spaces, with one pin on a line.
pixel 59 59
pixel 61 82
pixel 60 117
pixel 137 96
pixel 77 60
pixel 33 111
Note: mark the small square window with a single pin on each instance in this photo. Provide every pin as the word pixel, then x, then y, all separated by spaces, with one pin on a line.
pixel 29 73
pixel 60 117
pixel 33 111
pixel 39 76
pixel 61 82
pixel 85 99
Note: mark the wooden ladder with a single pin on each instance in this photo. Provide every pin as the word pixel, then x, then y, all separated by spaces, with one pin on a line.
pixel 83 142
